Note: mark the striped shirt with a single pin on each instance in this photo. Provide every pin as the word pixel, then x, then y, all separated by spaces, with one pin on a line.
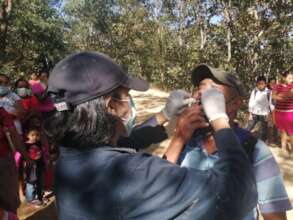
pixel 287 104
pixel 272 195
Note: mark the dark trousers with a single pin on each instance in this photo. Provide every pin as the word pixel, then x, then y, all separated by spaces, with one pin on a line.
pixel 263 131
pixel 34 189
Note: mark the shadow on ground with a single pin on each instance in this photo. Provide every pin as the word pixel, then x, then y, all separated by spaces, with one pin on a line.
pixel 48 213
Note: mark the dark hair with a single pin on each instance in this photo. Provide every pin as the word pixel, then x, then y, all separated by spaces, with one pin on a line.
pixel 285 73
pixel 32 129
pixel 271 79
pixel 261 78
pixel 20 80
pixel 4 75
pixel 86 125
pixel 45 72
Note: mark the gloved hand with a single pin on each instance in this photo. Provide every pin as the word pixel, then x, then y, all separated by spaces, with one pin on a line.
pixel 177 100
pixel 214 106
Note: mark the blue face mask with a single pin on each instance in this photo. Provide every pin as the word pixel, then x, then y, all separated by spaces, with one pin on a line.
pixel 130 122
pixel 4 90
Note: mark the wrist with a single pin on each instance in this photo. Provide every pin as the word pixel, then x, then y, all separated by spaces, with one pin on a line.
pixel 220 123
pixel 161 118
pixel 179 139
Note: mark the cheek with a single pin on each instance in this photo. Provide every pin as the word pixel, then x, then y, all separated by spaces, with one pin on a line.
pixel 119 110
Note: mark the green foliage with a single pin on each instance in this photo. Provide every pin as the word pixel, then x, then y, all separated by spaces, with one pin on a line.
pixel 34 37
pixel 159 40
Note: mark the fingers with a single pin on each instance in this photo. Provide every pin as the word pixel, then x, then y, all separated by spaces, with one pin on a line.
pixel 193 114
pixel 184 93
pixel 188 101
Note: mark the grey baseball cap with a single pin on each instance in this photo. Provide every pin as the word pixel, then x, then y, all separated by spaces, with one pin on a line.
pixel 220 76
pixel 83 76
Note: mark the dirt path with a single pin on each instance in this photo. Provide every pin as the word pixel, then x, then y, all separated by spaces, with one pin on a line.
pixel 147 104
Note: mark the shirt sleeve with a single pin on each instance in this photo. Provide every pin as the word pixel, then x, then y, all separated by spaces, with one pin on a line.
pixel 272 195
pixel 227 191
pixel 251 101
pixel 7 119
pixel 14 97
pixel 145 134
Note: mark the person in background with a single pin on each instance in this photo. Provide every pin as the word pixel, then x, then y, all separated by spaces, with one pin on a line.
pixel 39 89
pixel 283 97
pixel 10 142
pixel 34 173
pixel 272 129
pixel 12 104
pixel 259 107
pixel 201 152
pixel 29 102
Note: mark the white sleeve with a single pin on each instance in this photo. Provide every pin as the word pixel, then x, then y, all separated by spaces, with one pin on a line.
pixel 251 101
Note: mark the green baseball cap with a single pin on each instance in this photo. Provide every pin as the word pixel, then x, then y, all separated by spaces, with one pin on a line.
pixel 220 76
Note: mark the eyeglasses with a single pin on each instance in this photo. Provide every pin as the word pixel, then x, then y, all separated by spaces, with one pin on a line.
pixel 121 100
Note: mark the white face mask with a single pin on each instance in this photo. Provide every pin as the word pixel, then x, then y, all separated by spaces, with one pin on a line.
pixel 4 90
pixel 129 123
pixel 23 92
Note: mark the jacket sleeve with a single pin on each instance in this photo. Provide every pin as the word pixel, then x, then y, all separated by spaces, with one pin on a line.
pixel 145 134
pixel 233 173
pixel 167 191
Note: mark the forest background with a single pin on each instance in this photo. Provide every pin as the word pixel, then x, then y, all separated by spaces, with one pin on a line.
pixel 158 40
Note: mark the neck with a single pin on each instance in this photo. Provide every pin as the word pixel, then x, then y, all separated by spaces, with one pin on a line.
pixel 210 144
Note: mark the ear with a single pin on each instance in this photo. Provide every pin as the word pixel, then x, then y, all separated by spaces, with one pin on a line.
pixel 110 105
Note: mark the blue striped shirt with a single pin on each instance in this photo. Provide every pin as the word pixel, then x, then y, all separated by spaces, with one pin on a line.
pixel 272 195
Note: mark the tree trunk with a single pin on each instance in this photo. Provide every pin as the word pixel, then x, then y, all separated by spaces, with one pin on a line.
pixel 5 10
pixel 228 26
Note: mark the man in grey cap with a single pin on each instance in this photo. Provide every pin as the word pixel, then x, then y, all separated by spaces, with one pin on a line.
pixel 97 179
pixel 200 152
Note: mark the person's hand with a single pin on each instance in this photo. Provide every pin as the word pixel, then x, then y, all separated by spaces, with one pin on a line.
pixel 214 106
pixel 188 121
pixel 177 100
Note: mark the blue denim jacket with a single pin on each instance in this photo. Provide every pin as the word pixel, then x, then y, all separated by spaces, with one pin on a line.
pixel 112 183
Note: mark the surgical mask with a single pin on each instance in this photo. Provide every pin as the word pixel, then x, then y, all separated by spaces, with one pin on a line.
pixel 130 122
pixel 23 92
pixel 4 90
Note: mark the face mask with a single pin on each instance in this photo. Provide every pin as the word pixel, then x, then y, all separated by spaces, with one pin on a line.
pixel 4 90
pixel 23 92
pixel 130 122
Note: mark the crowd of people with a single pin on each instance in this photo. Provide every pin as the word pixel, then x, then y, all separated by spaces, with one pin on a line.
pixel 26 156
pixel 212 168
pixel 271 105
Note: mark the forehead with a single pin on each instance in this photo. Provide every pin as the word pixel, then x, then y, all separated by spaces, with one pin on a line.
pixel 261 82
pixel 22 83
pixel 3 79
pixel 33 132
pixel 206 81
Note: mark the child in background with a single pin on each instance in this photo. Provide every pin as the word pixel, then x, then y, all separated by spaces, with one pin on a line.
pixel 259 107
pixel 283 96
pixel 34 173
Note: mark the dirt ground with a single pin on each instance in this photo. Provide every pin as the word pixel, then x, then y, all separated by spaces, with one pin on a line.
pixel 147 104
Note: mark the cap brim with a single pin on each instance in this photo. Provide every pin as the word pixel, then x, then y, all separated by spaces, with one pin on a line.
pixel 136 84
